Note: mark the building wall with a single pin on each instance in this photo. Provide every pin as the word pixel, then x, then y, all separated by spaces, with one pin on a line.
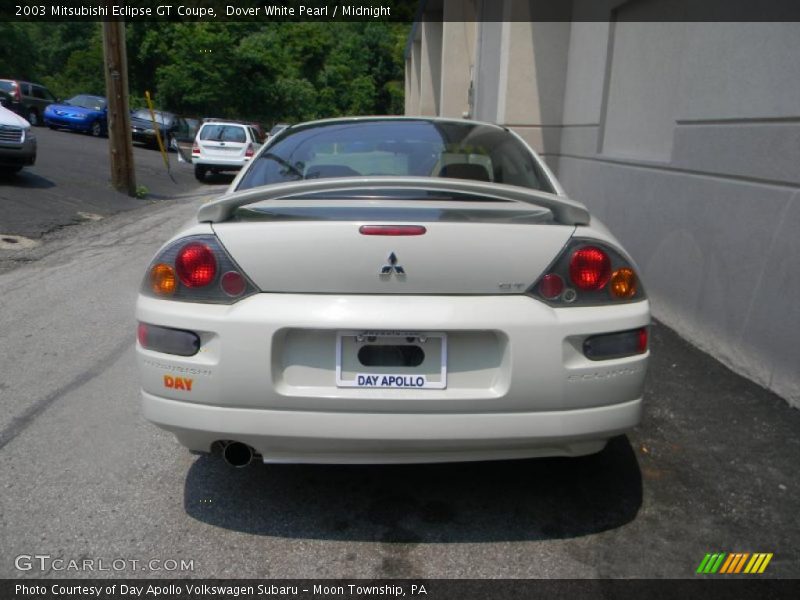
pixel 684 138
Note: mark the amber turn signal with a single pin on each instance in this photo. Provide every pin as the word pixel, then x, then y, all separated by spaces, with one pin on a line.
pixel 163 280
pixel 623 283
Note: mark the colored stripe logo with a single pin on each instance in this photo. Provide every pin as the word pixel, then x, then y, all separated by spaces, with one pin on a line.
pixel 734 563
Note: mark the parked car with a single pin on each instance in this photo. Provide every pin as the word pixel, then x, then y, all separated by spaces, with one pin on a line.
pixel 27 99
pixel 393 290
pixel 171 126
pixel 223 146
pixel 17 142
pixel 261 136
pixel 277 128
pixel 84 112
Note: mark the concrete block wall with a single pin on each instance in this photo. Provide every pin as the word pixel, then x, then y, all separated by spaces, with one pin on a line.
pixel 684 138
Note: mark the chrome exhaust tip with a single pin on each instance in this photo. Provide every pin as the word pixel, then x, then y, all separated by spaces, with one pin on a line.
pixel 237 454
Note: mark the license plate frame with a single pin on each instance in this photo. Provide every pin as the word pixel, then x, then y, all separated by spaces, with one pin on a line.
pixel 394 378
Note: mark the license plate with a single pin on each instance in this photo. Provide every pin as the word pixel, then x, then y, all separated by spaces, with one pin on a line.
pixel 391 360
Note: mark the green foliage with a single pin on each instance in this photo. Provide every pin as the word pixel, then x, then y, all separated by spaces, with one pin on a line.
pixel 266 72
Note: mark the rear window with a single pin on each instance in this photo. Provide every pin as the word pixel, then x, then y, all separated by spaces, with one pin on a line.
pixel 223 133
pixel 8 86
pixel 410 147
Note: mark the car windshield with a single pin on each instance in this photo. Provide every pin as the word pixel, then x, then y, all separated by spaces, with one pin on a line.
pixel 404 147
pixel 162 118
pixel 90 102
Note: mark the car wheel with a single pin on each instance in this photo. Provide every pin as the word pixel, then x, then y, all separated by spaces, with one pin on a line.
pixel 9 170
pixel 97 129
pixel 200 172
pixel 33 118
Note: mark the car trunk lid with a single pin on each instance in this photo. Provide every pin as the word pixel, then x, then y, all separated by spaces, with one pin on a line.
pixel 468 247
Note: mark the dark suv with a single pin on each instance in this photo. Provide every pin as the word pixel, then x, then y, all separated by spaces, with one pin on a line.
pixel 26 99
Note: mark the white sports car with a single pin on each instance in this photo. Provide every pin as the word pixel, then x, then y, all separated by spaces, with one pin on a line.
pixel 393 290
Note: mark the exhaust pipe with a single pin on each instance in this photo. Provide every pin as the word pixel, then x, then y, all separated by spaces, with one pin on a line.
pixel 237 454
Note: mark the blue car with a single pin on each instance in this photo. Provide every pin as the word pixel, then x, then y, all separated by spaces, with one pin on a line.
pixel 80 113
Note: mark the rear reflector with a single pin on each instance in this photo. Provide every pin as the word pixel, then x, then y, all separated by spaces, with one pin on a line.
pixel 616 345
pixel 167 340
pixel 392 230
pixel 233 284
pixel 551 286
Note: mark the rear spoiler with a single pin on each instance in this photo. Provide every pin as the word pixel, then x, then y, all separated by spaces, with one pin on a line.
pixel 565 211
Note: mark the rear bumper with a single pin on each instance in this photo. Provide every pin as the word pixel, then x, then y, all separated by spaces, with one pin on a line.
pixel 219 164
pixel 336 437
pixel 518 383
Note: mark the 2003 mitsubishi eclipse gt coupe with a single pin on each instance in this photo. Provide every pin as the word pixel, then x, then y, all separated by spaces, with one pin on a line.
pixel 393 290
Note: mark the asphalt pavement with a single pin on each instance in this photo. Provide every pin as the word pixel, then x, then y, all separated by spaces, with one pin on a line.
pixel 70 184
pixel 712 468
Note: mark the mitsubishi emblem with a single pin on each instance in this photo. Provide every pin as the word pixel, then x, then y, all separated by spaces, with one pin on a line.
pixel 392 267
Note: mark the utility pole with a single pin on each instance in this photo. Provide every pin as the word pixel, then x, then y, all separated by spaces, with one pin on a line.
pixel 120 146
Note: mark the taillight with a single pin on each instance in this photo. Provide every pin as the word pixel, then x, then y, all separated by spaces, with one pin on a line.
pixel 248 153
pixel 18 93
pixel 196 265
pixel 195 148
pixel 589 268
pixel 163 280
pixel 588 273
pixel 623 283
pixel 196 269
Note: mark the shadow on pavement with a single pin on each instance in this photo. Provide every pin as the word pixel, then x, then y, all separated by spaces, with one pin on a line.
pixel 463 502
pixel 25 179
pixel 219 178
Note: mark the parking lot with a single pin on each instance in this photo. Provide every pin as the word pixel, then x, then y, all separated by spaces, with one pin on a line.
pixel 712 468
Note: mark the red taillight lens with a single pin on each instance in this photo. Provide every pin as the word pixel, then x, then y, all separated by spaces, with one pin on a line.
pixel 18 94
pixel 195 148
pixel 642 347
pixel 141 334
pixel 249 152
pixel 233 283
pixel 589 268
pixel 196 265
pixel 551 286
pixel 392 230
